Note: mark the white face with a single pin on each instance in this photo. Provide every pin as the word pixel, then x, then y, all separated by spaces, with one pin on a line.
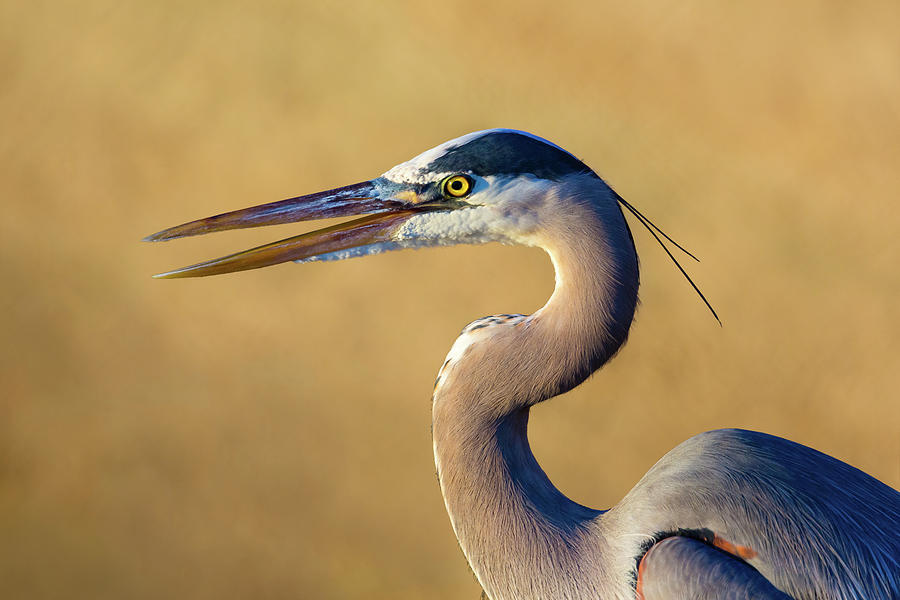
pixel 502 209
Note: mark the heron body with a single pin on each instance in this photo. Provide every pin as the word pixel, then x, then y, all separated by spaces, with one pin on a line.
pixel 726 514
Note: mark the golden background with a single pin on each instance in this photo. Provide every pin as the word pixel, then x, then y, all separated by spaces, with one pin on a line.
pixel 266 434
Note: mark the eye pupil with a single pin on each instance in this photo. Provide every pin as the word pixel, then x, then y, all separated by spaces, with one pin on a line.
pixel 456 185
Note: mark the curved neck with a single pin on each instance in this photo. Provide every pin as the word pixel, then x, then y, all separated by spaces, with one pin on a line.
pixel 513 525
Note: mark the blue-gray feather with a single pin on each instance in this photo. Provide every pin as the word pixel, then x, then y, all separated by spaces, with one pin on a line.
pixel 818 528
pixel 678 568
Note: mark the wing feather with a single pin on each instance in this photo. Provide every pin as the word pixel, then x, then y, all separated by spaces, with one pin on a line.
pixel 679 567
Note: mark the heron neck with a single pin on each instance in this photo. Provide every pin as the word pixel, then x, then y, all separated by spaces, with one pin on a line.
pixel 513 525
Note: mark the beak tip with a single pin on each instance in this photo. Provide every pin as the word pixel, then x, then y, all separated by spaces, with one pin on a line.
pixel 159 236
pixel 176 274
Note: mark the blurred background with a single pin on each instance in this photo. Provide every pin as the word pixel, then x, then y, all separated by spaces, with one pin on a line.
pixel 266 434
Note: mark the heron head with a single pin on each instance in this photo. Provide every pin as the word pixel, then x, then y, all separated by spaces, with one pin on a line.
pixel 485 186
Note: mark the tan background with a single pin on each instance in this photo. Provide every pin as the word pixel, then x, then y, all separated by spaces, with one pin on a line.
pixel 266 434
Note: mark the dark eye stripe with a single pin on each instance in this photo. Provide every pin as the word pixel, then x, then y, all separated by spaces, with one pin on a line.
pixel 508 153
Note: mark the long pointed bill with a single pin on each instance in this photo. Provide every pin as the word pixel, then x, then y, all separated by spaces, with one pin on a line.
pixel 386 205
pixel 357 199
pixel 373 229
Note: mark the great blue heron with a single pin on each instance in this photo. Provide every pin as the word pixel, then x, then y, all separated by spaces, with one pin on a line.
pixel 726 514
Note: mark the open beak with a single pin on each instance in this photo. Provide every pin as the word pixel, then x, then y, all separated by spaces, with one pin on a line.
pixel 386 205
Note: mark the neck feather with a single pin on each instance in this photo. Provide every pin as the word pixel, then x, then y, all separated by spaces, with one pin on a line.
pixel 513 525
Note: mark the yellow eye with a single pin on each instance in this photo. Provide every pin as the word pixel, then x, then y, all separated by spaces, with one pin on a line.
pixel 457 186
